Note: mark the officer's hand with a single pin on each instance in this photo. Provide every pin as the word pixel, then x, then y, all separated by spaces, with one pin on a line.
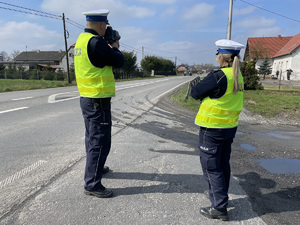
pixel 115 44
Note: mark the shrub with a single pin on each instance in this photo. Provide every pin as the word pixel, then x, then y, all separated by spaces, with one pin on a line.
pixel 251 79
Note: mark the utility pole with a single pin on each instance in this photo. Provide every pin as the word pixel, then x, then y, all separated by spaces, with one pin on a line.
pixel 143 57
pixel 229 20
pixel 66 47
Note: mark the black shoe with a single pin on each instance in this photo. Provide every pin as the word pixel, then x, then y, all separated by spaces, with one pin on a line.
pixel 214 214
pixel 206 193
pixel 105 193
pixel 105 170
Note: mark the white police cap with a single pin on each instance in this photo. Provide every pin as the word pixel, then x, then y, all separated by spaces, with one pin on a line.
pixel 97 15
pixel 228 46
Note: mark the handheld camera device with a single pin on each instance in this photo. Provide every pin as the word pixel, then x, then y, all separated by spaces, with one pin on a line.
pixel 111 35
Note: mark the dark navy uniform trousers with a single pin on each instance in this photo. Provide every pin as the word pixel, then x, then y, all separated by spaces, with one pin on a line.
pixel 97 119
pixel 215 150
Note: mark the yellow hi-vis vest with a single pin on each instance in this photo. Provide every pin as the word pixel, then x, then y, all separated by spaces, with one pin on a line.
pixel 222 112
pixel 91 81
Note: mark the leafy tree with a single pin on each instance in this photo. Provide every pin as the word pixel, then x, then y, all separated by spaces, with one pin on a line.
pixel 130 62
pixel 157 64
pixel 251 80
pixel 167 66
pixel 48 73
pixel 2 72
pixel 265 67
pixel 149 63
pixel 2 67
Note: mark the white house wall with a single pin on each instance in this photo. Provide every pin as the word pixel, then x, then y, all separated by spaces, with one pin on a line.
pixel 295 65
pixel 71 60
pixel 290 61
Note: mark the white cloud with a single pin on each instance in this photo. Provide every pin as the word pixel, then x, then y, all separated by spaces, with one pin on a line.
pixel 243 11
pixel 159 1
pixel 17 36
pixel 199 11
pixel 74 8
pixel 255 22
pixel 168 12
pixel 258 27
pixel 134 35
pixel 267 32
pixel 178 46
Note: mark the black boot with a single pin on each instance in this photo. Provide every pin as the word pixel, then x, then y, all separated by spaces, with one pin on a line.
pixel 214 214
pixel 105 170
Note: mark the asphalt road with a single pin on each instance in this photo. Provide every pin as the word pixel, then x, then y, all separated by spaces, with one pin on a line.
pixel 156 175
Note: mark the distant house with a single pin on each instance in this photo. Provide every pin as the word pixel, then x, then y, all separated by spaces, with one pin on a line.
pixel 284 54
pixel 44 59
pixel 181 69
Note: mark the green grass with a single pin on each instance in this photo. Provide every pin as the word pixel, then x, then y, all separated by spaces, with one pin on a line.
pixel 190 103
pixel 18 85
pixel 269 102
pixel 272 103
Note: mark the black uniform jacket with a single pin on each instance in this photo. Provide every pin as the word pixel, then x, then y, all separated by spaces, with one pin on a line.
pixel 214 85
pixel 101 54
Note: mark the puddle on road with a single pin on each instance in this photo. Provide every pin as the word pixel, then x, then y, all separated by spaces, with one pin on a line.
pixel 278 135
pixel 248 147
pixel 238 133
pixel 280 166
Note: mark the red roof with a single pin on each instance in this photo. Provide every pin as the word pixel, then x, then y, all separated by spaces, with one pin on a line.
pixel 181 68
pixel 290 46
pixel 271 44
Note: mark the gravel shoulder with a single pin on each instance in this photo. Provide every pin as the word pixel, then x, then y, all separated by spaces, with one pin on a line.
pixel 274 197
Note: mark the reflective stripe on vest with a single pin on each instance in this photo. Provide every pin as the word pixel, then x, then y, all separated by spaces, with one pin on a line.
pixel 91 81
pixel 223 112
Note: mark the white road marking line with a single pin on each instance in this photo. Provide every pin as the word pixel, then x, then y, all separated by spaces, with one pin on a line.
pixel 15 109
pixel 157 97
pixel 66 99
pixel 21 173
pixel 52 98
pixel 126 86
pixel 16 99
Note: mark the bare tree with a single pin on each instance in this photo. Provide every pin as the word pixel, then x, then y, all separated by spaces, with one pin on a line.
pixel 259 51
pixel 5 56
pixel 14 54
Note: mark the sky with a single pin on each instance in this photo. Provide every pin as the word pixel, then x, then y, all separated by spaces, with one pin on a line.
pixel 183 31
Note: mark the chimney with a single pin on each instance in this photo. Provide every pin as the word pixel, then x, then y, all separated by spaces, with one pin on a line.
pixel 279 36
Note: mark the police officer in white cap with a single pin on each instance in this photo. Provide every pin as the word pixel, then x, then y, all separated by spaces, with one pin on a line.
pixel 221 93
pixel 94 59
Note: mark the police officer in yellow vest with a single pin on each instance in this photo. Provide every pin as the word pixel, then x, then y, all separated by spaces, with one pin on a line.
pixel 93 60
pixel 221 93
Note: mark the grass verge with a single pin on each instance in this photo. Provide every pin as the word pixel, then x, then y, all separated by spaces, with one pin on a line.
pixel 19 85
pixel 270 103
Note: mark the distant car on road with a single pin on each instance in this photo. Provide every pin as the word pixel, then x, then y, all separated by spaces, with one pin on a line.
pixel 187 73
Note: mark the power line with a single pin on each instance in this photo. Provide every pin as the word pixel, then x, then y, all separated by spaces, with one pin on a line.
pixel 30 9
pixel 74 23
pixel 179 52
pixel 40 13
pixel 56 17
pixel 269 11
pixel 53 16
